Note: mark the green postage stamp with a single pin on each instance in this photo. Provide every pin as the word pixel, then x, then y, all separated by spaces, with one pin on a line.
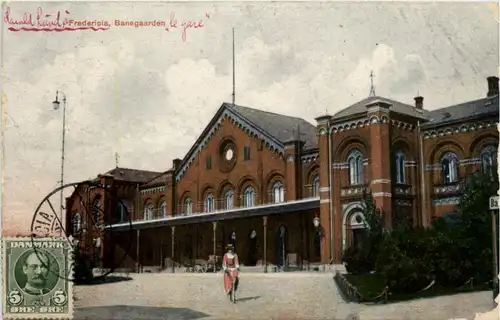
pixel 37 277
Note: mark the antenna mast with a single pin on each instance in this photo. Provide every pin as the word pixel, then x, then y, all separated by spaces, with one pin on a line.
pixel 372 87
pixel 116 159
pixel 234 74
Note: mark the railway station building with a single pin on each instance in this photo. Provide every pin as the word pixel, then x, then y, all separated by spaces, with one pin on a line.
pixel 286 192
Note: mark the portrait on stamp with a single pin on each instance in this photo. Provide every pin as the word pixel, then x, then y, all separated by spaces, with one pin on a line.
pixel 36 272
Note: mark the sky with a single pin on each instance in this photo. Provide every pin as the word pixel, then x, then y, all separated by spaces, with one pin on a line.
pixel 146 93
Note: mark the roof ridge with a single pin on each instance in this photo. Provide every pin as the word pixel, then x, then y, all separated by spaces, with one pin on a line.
pixel 230 105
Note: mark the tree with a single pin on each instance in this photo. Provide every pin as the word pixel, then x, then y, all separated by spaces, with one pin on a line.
pixel 474 227
pixel 361 259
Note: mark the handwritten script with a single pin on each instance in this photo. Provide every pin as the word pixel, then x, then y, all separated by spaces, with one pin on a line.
pixel 60 21
pixel 41 21
pixel 185 25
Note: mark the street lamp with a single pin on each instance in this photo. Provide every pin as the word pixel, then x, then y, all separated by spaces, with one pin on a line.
pixel 56 105
pixel 316 222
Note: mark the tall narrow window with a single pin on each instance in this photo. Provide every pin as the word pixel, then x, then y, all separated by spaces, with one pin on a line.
pixel 208 162
pixel 489 160
pixel 355 160
pixel 400 167
pixel 229 200
pixel 77 222
pixel 209 203
pixel 163 209
pixel 246 153
pixel 120 212
pixel 449 164
pixel 315 186
pixel 96 210
pixel 148 211
pixel 278 192
pixel 248 197
pixel 188 206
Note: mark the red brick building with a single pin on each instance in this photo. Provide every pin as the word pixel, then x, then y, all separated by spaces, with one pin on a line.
pixel 258 180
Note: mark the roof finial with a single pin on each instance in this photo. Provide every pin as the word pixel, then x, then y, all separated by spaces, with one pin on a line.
pixel 117 157
pixel 372 87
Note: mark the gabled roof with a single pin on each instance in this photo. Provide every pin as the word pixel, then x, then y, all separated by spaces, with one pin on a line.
pixel 158 181
pixel 281 127
pixel 359 108
pixel 132 175
pixel 274 128
pixel 461 112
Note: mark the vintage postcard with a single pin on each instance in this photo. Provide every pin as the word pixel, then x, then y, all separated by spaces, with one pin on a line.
pixel 250 160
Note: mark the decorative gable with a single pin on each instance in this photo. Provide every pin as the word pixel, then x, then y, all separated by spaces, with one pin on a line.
pixel 226 113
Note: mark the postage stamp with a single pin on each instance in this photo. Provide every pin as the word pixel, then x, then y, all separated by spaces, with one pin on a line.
pixel 36 278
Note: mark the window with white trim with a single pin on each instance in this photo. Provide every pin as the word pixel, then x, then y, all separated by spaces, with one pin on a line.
pixel 449 164
pixel 229 200
pixel 148 211
pixel 355 160
pixel 77 222
pixel 209 203
pixel 489 160
pixel 248 197
pixel 278 192
pixel 188 206
pixel 315 186
pixel 163 209
pixel 400 167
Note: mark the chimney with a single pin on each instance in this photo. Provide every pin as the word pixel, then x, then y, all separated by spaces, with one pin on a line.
pixel 492 86
pixel 176 163
pixel 419 102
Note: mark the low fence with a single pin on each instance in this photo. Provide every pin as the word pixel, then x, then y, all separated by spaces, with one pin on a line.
pixel 352 294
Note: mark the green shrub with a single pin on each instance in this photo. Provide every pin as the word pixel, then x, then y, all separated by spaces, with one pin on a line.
pixel 357 260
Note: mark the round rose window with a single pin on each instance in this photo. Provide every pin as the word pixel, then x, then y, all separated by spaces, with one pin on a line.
pixel 229 154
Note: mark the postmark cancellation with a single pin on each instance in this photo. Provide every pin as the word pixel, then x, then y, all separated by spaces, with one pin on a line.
pixel 37 275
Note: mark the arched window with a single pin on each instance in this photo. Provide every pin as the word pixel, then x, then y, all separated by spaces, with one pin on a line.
pixel 489 160
pixel 163 209
pixel 188 206
pixel 355 160
pixel 209 203
pixel 315 186
pixel 120 212
pixel 449 163
pixel 96 210
pixel 400 167
pixel 148 211
pixel 248 197
pixel 229 200
pixel 278 192
pixel 77 223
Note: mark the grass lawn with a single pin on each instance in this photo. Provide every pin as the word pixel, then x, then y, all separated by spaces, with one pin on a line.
pixel 369 285
pixel 372 285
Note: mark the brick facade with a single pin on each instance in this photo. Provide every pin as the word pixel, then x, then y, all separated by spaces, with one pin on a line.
pixel 247 158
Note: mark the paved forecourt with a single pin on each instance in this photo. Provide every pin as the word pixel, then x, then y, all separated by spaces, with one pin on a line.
pixel 192 296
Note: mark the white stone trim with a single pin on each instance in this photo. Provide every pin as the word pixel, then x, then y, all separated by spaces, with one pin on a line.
pixel 346 209
pixel 324 201
pixel 213 213
pixel 380 181
pixel 324 189
pixel 382 194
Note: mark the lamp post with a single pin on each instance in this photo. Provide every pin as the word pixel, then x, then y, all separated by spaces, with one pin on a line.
pixel 317 227
pixel 494 206
pixel 56 104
